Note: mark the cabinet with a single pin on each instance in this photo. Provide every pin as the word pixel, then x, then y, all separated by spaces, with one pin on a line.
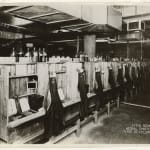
pixel 20 122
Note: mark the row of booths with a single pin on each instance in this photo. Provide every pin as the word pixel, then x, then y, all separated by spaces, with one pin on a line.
pixel 49 98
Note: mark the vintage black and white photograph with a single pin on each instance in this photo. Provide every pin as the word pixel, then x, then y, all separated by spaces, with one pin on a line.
pixel 74 73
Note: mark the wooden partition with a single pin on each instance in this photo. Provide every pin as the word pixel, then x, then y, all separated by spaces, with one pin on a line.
pixel 67 78
pixel 14 84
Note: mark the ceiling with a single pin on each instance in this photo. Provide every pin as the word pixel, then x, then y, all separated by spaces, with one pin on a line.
pixel 44 21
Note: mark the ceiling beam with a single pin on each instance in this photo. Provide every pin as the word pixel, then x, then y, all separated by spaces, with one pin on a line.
pixel 6 24
pixel 62 41
pixel 16 9
pixel 86 26
pixel 26 18
pixel 43 15
pixel 59 21
pixel 81 24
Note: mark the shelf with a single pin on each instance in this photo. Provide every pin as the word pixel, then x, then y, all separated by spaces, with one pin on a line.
pixel 23 120
pixel 21 76
pixel 26 95
pixel 26 63
pixel 18 63
pixel 59 72
pixel 61 62
pixel 105 90
pixel 68 103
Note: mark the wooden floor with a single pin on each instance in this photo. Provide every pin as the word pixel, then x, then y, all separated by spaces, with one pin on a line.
pixel 126 125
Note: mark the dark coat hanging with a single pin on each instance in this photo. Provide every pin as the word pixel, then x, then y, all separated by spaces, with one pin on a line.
pixel 83 89
pixel 54 117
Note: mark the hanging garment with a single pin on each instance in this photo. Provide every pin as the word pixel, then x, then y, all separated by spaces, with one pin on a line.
pixel 127 74
pixel 54 116
pixel 83 89
pixel 90 72
pixel 142 77
pixel 115 70
pixel 134 80
pixel 146 70
pixel 120 81
pixel 99 90
pixel 111 79
pixel 113 92
pixel 128 79
pixel 139 80
pixel 148 76
pixel 130 71
pixel 105 74
pixel 133 77
pixel 124 78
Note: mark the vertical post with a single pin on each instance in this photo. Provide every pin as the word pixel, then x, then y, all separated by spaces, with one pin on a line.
pixel 128 50
pixel 90 45
pixel 108 108
pixel 95 116
pixel 118 102
pixel 78 130
pixel 23 43
pixel 141 45
pixel 78 44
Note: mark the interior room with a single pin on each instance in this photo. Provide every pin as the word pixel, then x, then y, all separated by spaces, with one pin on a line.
pixel 74 73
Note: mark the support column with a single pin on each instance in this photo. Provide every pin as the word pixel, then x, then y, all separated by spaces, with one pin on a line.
pixel 90 45
pixel 141 46
pixel 128 50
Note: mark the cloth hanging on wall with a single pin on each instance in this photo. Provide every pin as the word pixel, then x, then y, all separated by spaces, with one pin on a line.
pixel 127 74
pixel 99 90
pixel 120 79
pixel 82 86
pixel 139 74
pixel 130 71
pixel 124 78
pixel 90 72
pixel 134 78
pixel 105 74
pixel 111 78
pixel 142 76
pixel 115 70
pixel 54 116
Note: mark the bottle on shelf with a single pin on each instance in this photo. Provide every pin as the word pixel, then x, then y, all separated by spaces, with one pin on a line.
pixel 20 53
pixel 40 55
pixel 13 53
pixel 17 56
pixel 81 56
pixel 35 55
pixel 86 57
pixel 44 57
pixel 28 54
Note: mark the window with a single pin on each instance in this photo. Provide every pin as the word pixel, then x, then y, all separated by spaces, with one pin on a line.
pixel 133 25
